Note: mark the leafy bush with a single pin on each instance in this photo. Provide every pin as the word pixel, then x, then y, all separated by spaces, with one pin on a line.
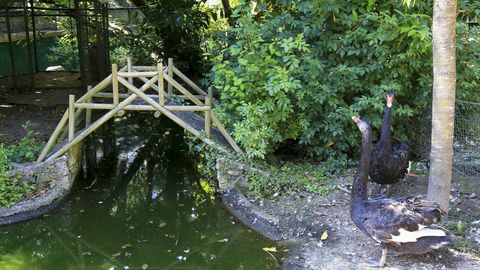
pixel 28 148
pixel 169 29
pixel 298 70
pixel 12 189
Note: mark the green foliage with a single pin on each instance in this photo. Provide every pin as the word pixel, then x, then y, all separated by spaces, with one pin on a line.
pixel 271 180
pixel 27 149
pixel 288 178
pixel 169 29
pixel 12 189
pixel 65 51
pixel 298 70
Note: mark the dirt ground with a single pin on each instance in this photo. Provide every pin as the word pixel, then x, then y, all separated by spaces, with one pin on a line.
pixel 303 217
pixel 42 108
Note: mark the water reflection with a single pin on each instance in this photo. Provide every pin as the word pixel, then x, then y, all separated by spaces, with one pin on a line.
pixel 147 209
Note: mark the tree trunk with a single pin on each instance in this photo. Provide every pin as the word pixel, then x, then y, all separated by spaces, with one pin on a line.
pixel 226 8
pixel 443 103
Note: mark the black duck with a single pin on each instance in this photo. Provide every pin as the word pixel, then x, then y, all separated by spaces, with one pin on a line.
pixel 403 225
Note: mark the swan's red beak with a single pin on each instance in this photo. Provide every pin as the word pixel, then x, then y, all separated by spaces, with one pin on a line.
pixel 390 98
pixel 356 119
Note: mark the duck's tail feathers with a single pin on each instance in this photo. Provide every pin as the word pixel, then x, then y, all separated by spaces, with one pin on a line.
pixel 423 245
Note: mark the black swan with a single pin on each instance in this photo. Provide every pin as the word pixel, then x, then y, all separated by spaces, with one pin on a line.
pixel 403 225
pixel 390 161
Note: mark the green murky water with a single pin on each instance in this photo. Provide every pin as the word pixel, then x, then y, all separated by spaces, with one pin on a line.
pixel 146 209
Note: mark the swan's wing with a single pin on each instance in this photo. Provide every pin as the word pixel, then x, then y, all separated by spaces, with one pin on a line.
pixel 401 154
pixel 401 221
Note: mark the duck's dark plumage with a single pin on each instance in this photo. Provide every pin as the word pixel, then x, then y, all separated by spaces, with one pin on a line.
pixel 389 159
pixel 404 225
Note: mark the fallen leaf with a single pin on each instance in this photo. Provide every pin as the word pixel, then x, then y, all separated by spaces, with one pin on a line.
pixel 324 235
pixel 330 143
pixel 270 249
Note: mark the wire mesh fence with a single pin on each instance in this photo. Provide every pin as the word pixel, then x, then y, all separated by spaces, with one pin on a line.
pixel 466 160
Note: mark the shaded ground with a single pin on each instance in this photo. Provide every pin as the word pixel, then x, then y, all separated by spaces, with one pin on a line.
pixel 43 80
pixel 305 218
pixel 42 108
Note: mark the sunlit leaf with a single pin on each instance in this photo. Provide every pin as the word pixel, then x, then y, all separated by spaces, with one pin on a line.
pixel 270 249
pixel 324 235
pixel 408 2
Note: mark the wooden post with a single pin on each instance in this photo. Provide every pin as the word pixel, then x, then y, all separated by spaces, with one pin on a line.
pixel 129 68
pixel 10 46
pixel 53 137
pixel 88 112
pixel 161 90
pixel 170 74
pixel 84 133
pixel 208 114
pixel 115 84
pixel 71 117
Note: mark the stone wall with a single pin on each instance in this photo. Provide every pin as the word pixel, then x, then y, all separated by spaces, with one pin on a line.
pixel 54 179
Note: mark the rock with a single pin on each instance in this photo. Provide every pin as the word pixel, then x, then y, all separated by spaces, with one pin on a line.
pixel 55 68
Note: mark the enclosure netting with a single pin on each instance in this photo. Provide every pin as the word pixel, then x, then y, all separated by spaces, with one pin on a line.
pixel 466 160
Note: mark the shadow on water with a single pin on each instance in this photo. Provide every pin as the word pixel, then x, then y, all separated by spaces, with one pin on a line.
pixel 141 205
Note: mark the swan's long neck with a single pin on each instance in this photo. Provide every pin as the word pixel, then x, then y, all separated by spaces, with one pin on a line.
pixel 359 187
pixel 385 135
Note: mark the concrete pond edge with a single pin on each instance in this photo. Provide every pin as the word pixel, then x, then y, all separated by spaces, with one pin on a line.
pixel 232 183
pixel 54 177
pixel 231 178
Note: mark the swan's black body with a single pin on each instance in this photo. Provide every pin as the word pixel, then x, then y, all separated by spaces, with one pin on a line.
pixel 403 225
pixel 389 160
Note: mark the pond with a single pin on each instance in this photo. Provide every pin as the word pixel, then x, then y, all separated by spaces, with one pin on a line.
pixel 143 204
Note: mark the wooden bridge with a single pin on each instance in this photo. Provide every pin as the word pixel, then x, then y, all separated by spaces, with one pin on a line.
pixel 151 96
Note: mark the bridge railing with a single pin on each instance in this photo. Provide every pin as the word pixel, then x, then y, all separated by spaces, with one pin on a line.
pixel 135 99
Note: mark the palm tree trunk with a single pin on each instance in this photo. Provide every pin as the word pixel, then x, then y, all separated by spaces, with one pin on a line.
pixel 443 104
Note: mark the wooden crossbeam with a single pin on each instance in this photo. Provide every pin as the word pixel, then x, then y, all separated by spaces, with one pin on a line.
pixel 122 95
pixel 102 119
pixel 173 108
pixel 137 74
pixel 149 75
pixel 165 112
pixel 182 89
